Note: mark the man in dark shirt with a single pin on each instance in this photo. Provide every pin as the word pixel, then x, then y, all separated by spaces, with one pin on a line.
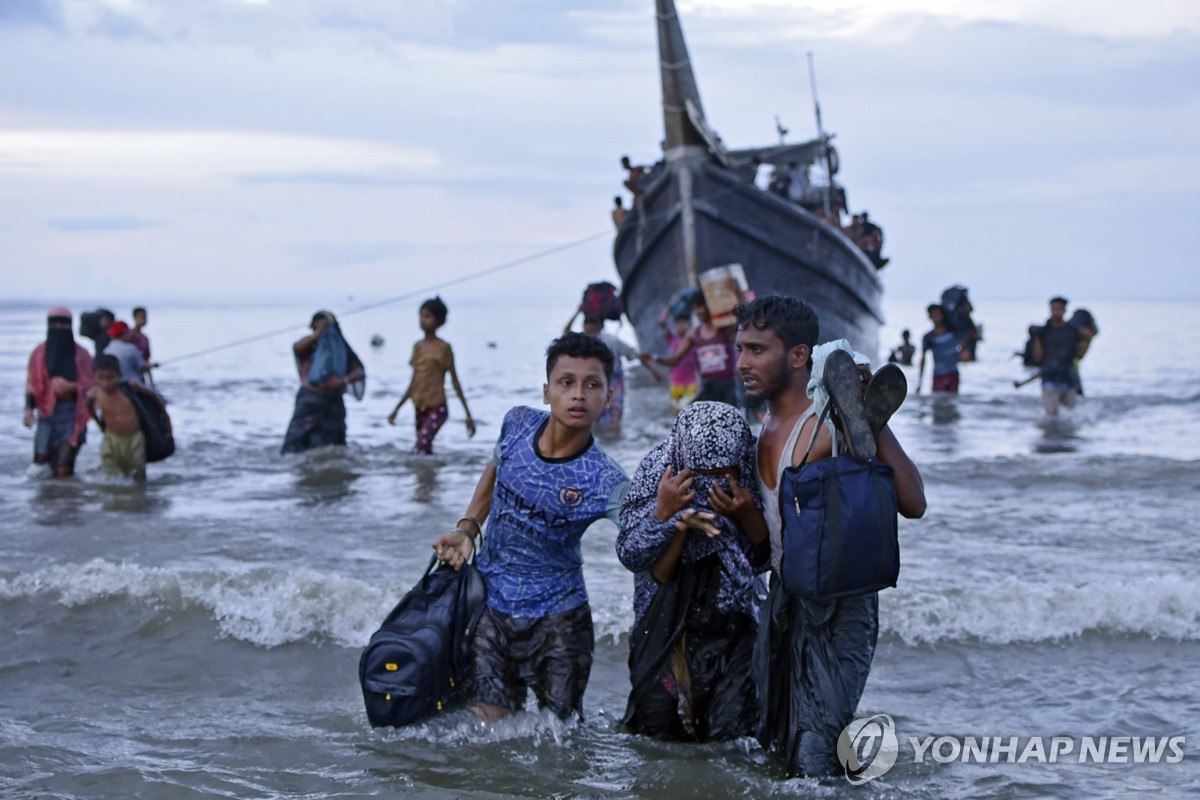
pixel 1055 349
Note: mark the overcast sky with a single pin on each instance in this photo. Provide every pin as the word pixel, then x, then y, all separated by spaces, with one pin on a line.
pixel 154 150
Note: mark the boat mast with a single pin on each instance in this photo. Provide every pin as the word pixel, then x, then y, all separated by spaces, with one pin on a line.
pixel 688 139
pixel 812 79
pixel 678 83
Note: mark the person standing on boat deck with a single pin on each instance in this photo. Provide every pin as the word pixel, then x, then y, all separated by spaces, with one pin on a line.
pixel 797 187
pixel 812 659
pixel 327 366
pixel 619 212
pixel 431 360
pixel 1055 350
pixel 634 182
pixel 714 357
pixel 946 353
pixel 56 386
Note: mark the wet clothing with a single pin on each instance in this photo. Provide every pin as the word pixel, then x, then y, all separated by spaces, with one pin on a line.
pixel 317 420
pixel 690 663
pixel 123 455
pixel 705 436
pixel 682 395
pixel 811 663
pixel 54 440
pixel 319 416
pixel 537 629
pixel 133 366
pixel 946 383
pixel 693 635
pixel 811 660
pixel 715 358
pixel 62 421
pixel 770 495
pixel 551 655
pixel 945 351
pixel 431 360
pixel 531 557
pixel 1056 395
pixel 1059 345
pixel 429 422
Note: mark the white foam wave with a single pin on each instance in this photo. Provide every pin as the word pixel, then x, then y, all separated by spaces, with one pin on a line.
pixel 266 607
pixel 271 607
pixel 1015 610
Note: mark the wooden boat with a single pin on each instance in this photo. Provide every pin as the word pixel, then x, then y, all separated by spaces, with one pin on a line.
pixel 699 209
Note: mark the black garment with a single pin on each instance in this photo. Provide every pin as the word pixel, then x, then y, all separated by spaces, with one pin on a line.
pixel 690 664
pixel 551 655
pixel 60 353
pixel 811 662
pixel 719 391
pixel 319 419
pixel 1058 353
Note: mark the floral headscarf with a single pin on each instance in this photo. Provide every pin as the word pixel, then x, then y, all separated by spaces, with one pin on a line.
pixel 705 436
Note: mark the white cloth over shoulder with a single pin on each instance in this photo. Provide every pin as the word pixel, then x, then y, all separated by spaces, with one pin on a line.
pixel 816 382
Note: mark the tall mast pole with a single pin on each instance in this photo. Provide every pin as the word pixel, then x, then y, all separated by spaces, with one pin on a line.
pixel 812 79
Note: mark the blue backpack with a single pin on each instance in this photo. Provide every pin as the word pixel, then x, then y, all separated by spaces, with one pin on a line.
pixel 415 665
pixel 840 534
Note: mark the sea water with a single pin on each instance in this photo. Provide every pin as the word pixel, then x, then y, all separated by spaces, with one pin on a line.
pixel 198 635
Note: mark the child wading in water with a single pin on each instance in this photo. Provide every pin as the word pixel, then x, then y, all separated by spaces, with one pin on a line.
pixel 123 449
pixel 431 359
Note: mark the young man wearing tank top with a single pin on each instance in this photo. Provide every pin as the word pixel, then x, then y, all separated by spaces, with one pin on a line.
pixel 815 656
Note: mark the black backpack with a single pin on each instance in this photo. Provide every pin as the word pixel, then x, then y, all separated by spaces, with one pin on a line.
pixel 154 422
pixel 416 664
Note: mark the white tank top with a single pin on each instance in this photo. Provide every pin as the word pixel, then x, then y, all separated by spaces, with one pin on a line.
pixel 770 496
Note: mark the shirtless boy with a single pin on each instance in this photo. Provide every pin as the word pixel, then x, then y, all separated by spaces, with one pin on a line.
pixel 123 448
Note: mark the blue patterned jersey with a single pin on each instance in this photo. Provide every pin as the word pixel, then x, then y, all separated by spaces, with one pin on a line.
pixel 531 558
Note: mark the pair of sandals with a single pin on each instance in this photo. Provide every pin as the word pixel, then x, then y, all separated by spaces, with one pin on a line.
pixel 861 414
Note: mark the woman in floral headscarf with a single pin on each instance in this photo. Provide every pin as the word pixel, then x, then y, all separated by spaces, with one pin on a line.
pixel 693 534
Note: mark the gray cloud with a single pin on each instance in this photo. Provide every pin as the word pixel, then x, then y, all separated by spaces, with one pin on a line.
pixel 43 13
pixel 112 222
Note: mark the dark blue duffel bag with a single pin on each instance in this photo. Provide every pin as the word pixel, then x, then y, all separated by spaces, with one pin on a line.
pixel 416 664
pixel 839 528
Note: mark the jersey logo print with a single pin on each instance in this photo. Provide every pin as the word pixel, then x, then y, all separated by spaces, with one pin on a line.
pixel 570 497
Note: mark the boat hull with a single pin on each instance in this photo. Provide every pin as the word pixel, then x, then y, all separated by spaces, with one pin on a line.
pixel 782 248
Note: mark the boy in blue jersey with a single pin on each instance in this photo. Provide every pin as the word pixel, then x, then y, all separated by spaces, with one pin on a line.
pixel 548 481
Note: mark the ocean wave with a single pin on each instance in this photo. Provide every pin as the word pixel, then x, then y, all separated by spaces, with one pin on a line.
pixel 1013 610
pixel 265 607
pixel 272 607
